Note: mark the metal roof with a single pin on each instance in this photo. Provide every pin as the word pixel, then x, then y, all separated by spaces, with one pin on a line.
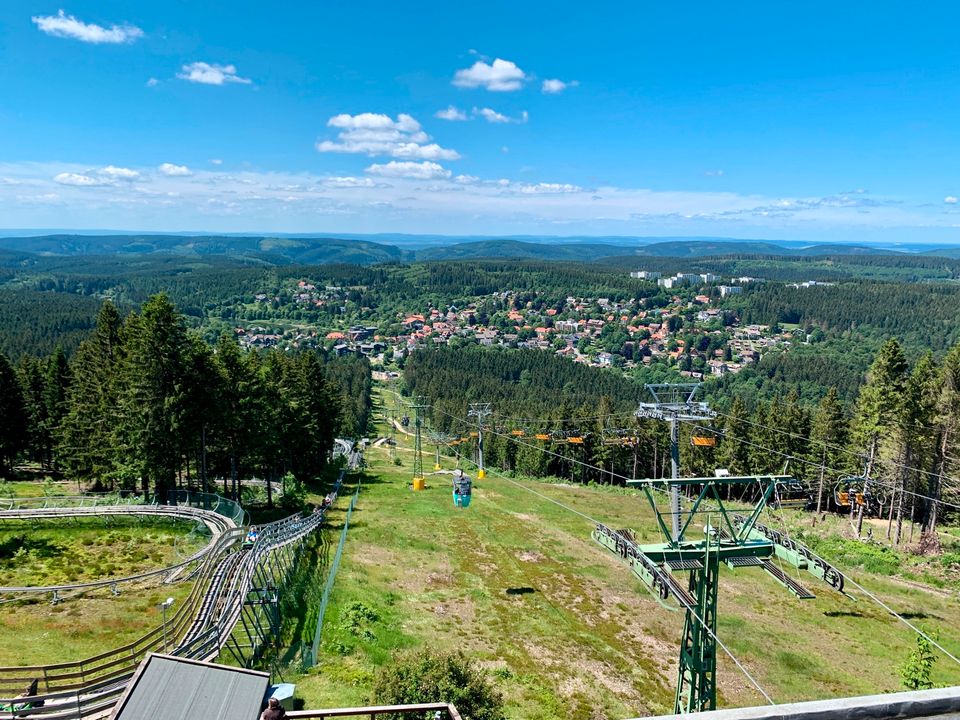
pixel 171 688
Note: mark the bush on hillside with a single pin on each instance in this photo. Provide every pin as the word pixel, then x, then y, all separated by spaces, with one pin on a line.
pixel 426 676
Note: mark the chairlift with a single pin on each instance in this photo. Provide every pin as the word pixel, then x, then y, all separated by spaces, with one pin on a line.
pixel 575 439
pixel 854 489
pixel 462 489
pixel 517 433
pixel 542 436
pixel 703 441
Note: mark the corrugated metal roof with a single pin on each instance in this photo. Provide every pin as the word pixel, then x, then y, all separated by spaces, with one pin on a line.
pixel 171 688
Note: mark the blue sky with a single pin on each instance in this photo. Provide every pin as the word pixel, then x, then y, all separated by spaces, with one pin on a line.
pixel 825 121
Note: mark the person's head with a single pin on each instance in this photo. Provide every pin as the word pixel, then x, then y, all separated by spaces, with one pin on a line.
pixel 273 703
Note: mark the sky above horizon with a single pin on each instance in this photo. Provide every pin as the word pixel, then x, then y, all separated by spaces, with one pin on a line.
pixel 821 121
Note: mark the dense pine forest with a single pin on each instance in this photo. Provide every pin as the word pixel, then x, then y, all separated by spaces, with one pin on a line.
pixel 145 403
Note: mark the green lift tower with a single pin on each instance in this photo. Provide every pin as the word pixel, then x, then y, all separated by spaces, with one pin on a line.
pixel 728 538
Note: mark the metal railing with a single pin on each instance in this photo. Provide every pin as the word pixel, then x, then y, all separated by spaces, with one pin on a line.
pixel 447 709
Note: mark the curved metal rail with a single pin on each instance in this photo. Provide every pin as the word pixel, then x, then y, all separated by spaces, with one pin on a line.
pixel 216 523
pixel 199 629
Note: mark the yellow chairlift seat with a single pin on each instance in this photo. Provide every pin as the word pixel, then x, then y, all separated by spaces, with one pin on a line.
pixel 517 433
pixel 575 439
pixel 542 436
pixel 703 441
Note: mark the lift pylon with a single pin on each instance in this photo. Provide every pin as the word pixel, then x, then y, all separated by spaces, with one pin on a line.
pixel 419 405
pixel 479 411
pixel 729 538
pixel 674 402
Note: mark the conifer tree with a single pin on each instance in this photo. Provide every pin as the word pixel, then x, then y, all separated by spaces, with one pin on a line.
pixel 13 418
pixel 86 433
pixel 828 436
pixel 878 409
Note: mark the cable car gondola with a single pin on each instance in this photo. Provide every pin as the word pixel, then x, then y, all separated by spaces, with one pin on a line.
pixel 462 488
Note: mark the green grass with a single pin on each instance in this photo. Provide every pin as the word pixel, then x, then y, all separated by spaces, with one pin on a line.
pixel 78 627
pixel 516 582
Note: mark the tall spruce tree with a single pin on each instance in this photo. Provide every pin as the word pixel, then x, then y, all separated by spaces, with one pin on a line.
pixel 13 418
pixel 85 438
pixel 877 417
pixel 153 398
pixel 828 436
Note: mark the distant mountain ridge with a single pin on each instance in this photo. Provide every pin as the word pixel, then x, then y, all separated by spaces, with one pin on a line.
pixel 287 249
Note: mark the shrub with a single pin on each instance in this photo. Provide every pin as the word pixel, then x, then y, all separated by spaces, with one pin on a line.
pixel 915 672
pixel 431 676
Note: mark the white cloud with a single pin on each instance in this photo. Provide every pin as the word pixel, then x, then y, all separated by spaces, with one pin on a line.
pixel 211 74
pixel 501 76
pixel 152 82
pixel 466 179
pixel 216 161
pixel 451 113
pixel 67 26
pixel 553 86
pixel 118 173
pixel 549 188
pixel 417 171
pixel 378 134
pixel 352 182
pixel 492 116
pixel 951 200
pixel 69 178
pixel 713 173
pixel 171 170
pixel 109 175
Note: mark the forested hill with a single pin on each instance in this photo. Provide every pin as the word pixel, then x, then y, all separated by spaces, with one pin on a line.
pixel 280 250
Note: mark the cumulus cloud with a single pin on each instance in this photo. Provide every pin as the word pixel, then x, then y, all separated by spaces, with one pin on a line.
pixel 118 173
pixel 211 74
pixel 951 199
pixel 79 180
pixel 171 170
pixel 378 134
pixel 109 175
pixel 451 113
pixel 67 26
pixel 492 116
pixel 152 82
pixel 501 76
pixel 417 171
pixel 555 87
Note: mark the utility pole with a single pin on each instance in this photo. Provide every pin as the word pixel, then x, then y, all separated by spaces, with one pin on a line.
pixel 479 411
pixel 673 402
pixel 418 405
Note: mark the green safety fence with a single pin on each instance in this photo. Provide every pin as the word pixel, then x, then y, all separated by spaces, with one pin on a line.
pixel 310 658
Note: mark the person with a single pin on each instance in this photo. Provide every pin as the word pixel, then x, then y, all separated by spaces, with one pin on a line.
pixel 252 535
pixel 32 689
pixel 273 711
